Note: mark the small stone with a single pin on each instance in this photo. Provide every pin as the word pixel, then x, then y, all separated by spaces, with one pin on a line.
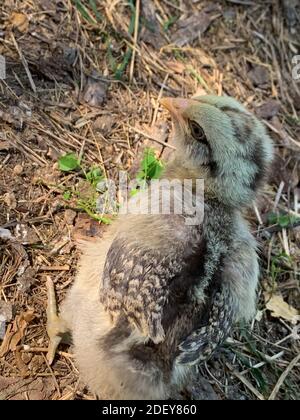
pixel 5 316
pixel 26 357
pixel 18 169
pixel 5 234
pixel 69 217
pixel 10 200
pixel 26 234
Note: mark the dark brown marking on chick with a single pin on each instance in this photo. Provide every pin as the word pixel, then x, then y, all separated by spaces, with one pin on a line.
pixel 258 159
pixel 230 109
pixel 120 331
pixel 243 127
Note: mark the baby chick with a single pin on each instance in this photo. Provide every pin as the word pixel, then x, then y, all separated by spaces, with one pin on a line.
pixel 157 295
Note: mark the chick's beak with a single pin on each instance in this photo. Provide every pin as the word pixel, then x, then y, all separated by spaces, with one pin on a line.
pixel 177 106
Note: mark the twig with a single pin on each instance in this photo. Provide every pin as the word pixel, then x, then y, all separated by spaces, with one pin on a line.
pixel 242 2
pixel 283 377
pixel 151 137
pixel 261 364
pixel 55 268
pixel 24 62
pixel 158 99
pixel 52 375
pixel 135 37
pixel 257 214
pixel 278 195
pixel 246 382
pixel 15 388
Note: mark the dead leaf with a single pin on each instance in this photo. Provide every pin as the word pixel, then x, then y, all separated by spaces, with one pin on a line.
pixel 14 116
pixel 24 371
pixel 268 110
pixel 24 389
pixel 19 327
pixel 57 66
pixel 280 172
pixel 19 21
pixel 193 26
pixel 104 124
pixel 95 90
pixel 259 76
pixel 16 332
pixel 26 279
pixel 280 309
pixel 151 31
pixel 86 227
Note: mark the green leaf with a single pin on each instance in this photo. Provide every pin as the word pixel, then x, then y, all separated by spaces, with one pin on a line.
pixel 260 379
pixel 95 10
pixel 84 12
pixel 133 192
pixel 168 23
pixel 283 220
pixel 67 195
pixel 127 56
pixel 151 166
pixel 94 176
pixel 121 68
pixel 111 60
pixel 68 162
pixel 89 206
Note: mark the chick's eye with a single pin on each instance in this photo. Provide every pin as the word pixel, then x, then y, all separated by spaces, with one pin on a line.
pixel 197 132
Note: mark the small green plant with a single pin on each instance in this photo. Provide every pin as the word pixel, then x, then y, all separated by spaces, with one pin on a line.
pixel 68 162
pixel 85 12
pixel 197 76
pixel 151 168
pixel 120 68
pixel 251 345
pixel 283 220
pixel 168 23
pixel 94 176
pixel 293 120
pixel 179 55
pixel 88 203
pixel 89 206
pixel 67 195
pixel 279 266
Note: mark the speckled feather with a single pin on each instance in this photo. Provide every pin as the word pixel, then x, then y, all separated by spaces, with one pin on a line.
pixel 202 343
pixel 136 283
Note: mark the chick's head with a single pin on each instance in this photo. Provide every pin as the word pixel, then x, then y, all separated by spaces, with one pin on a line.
pixel 228 144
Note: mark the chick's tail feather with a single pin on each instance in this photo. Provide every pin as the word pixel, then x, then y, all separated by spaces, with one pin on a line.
pixel 201 344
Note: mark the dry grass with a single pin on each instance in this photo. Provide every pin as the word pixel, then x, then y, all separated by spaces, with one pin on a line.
pixel 62 60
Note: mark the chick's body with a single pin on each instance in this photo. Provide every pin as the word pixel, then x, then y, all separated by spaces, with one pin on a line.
pixel 117 360
pixel 156 295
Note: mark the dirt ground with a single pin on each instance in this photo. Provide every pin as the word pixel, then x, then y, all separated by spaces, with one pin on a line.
pixel 85 77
